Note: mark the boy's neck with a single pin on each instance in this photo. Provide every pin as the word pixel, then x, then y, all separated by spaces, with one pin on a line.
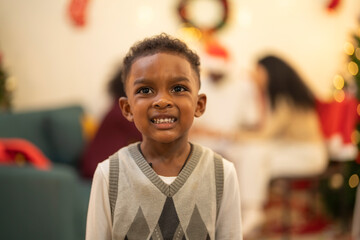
pixel 166 159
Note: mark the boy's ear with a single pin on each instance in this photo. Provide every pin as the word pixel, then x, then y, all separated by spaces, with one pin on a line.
pixel 201 105
pixel 126 109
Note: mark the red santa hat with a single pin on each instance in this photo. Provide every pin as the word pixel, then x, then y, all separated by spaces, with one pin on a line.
pixel 216 56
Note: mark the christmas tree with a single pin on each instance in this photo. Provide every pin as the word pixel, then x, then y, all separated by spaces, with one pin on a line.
pixel 339 188
pixel 5 95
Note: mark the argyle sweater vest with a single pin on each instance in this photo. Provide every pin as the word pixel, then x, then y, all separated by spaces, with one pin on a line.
pixel 144 207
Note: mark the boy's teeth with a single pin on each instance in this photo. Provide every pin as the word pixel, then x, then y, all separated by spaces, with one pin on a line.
pixel 164 120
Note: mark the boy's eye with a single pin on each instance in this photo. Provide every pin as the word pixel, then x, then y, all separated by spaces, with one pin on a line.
pixel 145 90
pixel 179 89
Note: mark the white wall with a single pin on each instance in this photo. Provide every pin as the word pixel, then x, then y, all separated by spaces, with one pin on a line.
pixel 55 63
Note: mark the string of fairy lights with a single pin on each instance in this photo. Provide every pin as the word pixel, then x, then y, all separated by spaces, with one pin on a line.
pixel 352 76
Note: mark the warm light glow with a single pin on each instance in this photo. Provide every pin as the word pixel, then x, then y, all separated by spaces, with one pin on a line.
pixel 349 48
pixel 357 53
pixel 354 181
pixel 353 68
pixel 244 18
pixel 358 109
pixel 204 12
pixel 145 14
pixel 336 181
pixel 10 84
pixel 338 82
pixel 339 95
pixel 355 137
pixel 188 31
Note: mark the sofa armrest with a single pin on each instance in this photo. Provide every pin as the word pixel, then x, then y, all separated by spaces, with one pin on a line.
pixel 37 204
pixel 57 132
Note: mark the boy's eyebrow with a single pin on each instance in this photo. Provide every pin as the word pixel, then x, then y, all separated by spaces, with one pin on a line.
pixel 173 80
pixel 180 79
pixel 140 81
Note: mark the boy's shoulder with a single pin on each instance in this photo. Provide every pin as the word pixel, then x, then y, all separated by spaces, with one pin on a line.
pixel 121 153
pixel 208 151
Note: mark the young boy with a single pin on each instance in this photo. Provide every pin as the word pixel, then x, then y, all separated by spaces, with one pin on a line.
pixel 165 187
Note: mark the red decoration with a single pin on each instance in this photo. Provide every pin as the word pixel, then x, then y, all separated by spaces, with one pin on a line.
pixel 333 4
pixel 338 122
pixel 11 148
pixel 338 117
pixel 215 49
pixel 77 12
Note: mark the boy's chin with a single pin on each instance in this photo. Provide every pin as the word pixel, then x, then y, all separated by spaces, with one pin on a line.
pixel 166 139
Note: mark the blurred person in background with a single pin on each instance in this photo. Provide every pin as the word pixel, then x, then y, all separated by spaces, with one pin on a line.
pixel 113 133
pixel 287 142
pixel 223 85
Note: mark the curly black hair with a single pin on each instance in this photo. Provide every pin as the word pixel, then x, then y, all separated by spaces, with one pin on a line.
pixel 284 81
pixel 160 43
pixel 115 86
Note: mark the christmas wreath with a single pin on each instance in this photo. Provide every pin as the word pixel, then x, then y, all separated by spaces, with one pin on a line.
pixel 183 13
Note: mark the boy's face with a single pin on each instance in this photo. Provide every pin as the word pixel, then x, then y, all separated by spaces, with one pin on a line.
pixel 162 97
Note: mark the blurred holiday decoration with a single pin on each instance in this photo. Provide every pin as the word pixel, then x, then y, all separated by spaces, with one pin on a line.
pixel 353 68
pixel 204 25
pixel 77 12
pixel 5 90
pixel 184 10
pixel 338 120
pixel 342 131
pixel 216 61
pixel 333 4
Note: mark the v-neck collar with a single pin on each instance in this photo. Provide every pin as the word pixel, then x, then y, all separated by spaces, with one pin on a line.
pixel 173 188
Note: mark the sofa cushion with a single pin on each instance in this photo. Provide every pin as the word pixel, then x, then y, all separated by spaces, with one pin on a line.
pixel 64 133
pixel 56 132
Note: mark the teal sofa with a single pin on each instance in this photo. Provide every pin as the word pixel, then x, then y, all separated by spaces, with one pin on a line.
pixel 45 204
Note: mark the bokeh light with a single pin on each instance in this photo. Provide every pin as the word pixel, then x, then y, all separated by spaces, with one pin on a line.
pixel 338 81
pixel 349 48
pixel 358 109
pixel 355 137
pixel 336 181
pixel 339 95
pixel 187 31
pixel 354 181
pixel 357 53
pixel 353 68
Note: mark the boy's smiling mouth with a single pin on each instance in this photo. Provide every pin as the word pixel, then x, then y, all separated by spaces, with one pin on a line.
pixel 160 120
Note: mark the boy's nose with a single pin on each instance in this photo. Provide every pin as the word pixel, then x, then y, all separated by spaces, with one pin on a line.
pixel 162 102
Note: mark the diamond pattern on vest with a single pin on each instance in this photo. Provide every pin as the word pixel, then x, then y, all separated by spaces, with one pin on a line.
pixel 139 228
pixel 179 233
pixel 197 228
pixel 168 227
pixel 169 220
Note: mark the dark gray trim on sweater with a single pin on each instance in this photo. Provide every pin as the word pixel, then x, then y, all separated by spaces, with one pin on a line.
pixel 219 180
pixel 168 190
pixel 113 182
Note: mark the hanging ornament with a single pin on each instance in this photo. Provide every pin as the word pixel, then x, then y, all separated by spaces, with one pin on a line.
pixel 332 5
pixel 77 12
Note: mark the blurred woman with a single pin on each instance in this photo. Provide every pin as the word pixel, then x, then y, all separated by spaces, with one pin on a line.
pixel 287 142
